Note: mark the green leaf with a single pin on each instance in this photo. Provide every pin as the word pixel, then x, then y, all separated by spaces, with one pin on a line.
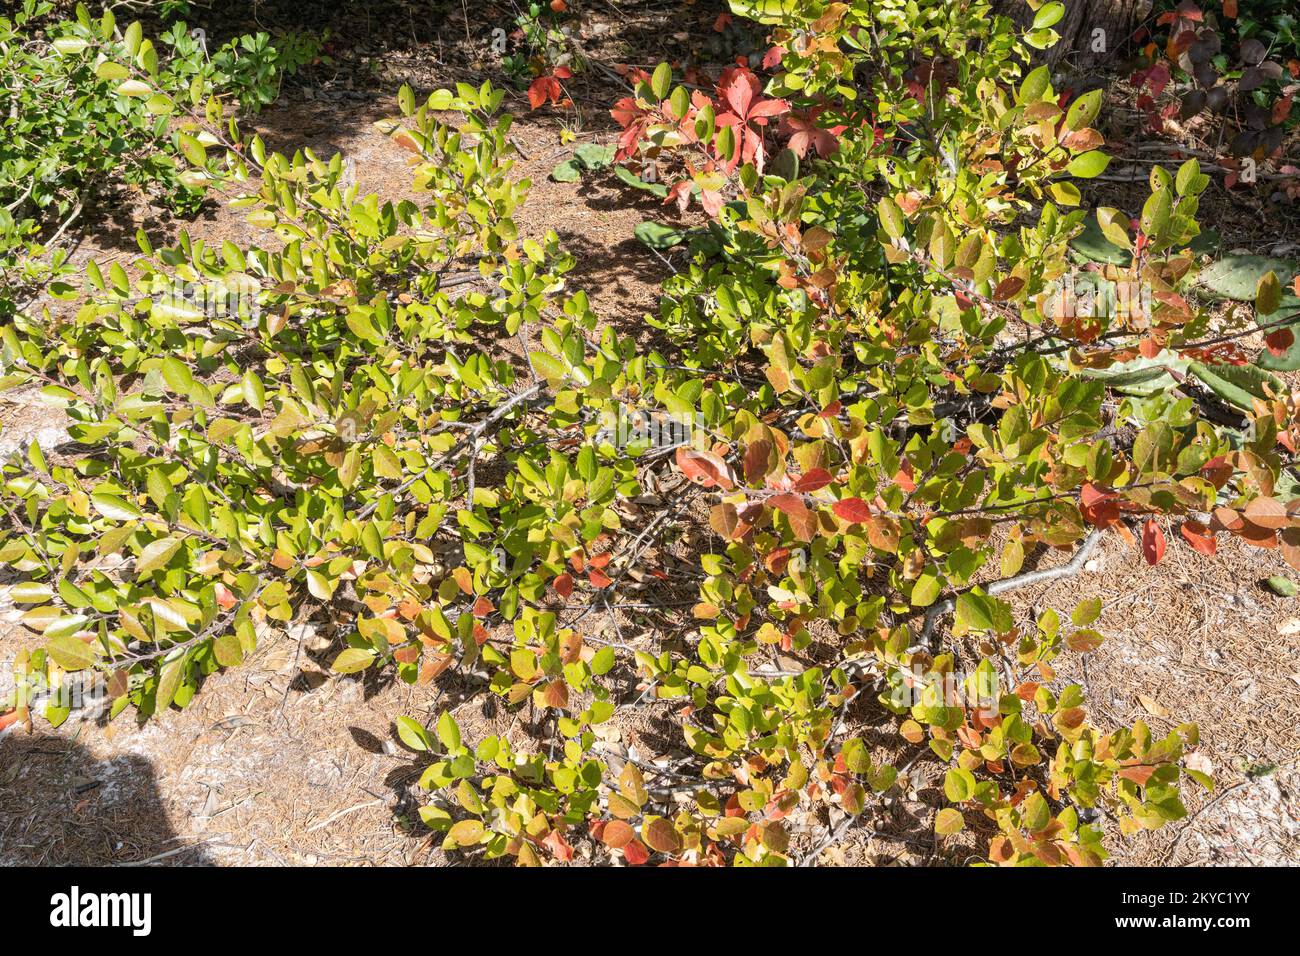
pixel 177 375
pixel 1096 244
pixel 69 46
pixel 156 554
pixel 1239 385
pixel 30 592
pixel 108 70
pixel 891 218
pixel 353 659
pixel 1238 276
pixel 658 236
pixel 1033 87
pixel 115 507
pixel 1281 586
pixel 958 785
pixel 626 175
pixel 661 80
pixel 134 89
pixel 70 653
pixel 602 662
pixel 448 731
pixel 1083 110
pixel 856 756
pixel 568 171
pixel 413 734
pixel 926 589
pixel 227 650
pixel 1089 164
pixel 193 149
pixel 1268 293
pixel 1086 611
pixel 593 156
pixel 1156 212
pixel 1048 15
pixel 169 682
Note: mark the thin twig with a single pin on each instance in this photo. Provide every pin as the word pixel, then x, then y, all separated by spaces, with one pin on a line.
pixel 1070 568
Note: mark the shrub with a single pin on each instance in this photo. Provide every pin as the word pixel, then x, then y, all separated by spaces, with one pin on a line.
pixel 89 106
pixel 892 402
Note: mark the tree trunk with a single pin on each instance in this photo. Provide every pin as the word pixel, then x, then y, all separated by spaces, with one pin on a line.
pixel 1091 30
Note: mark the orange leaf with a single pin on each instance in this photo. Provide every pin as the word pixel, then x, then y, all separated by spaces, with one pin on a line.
pixel 1268 513
pixel 903 477
pixel 1139 774
pixel 802 521
pixel 563 584
pixel 1199 537
pixel 617 834
pixel 705 469
pixel 557 694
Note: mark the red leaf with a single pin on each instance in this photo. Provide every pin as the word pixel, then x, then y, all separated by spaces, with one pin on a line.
pixel 1279 340
pixel 616 834
pixel 814 480
pixel 598 578
pixel 563 584
pixel 407 655
pixel 635 853
pixel 1153 541
pixel 556 694
pixel 223 596
pixel 773 57
pixel 1199 537
pixel 853 510
pixel 544 88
